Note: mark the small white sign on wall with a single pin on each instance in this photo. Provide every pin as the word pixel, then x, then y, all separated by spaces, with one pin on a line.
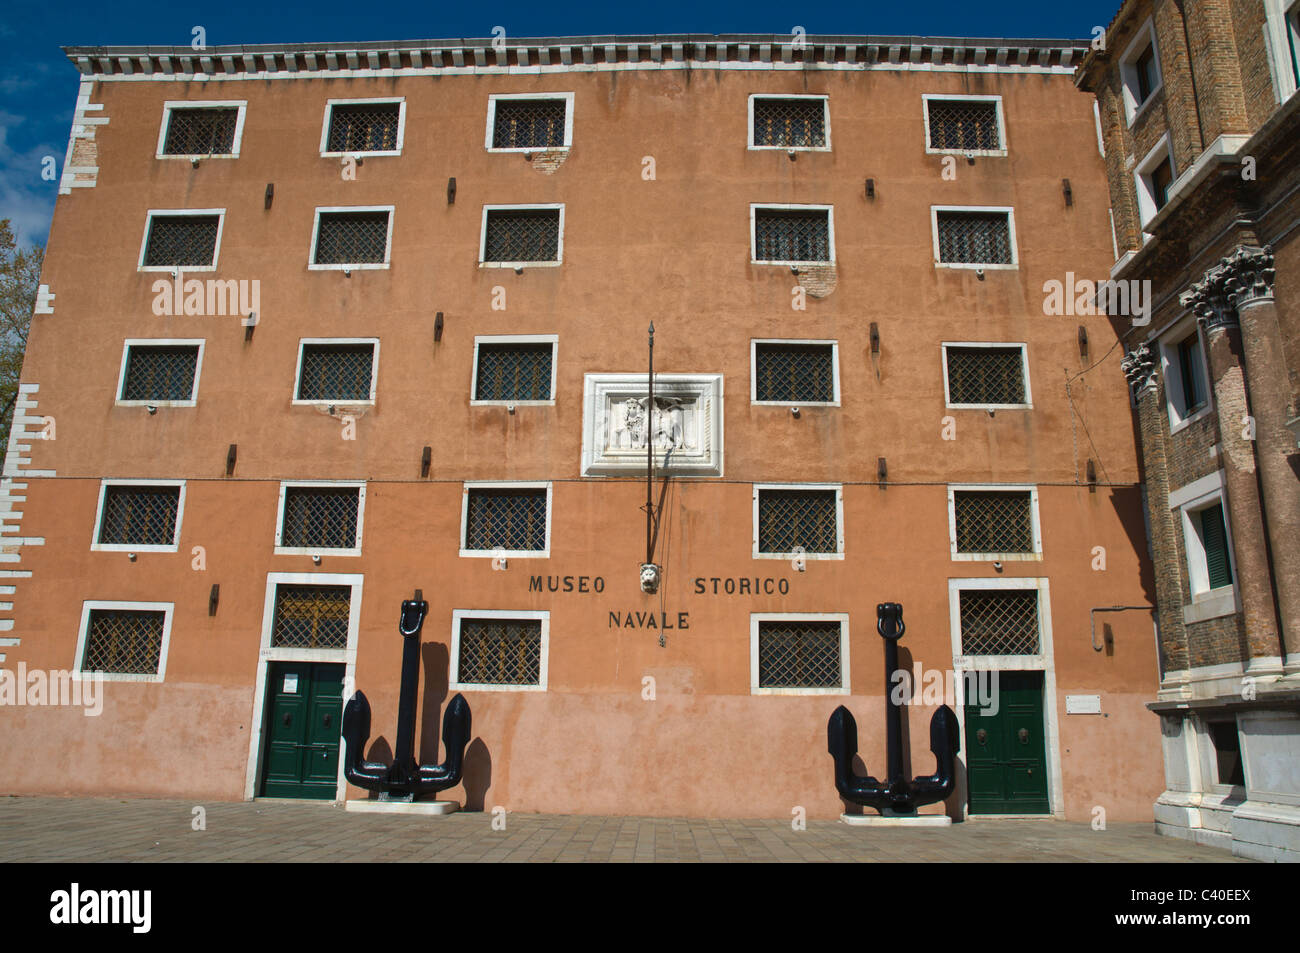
pixel 291 684
pixel 1083 704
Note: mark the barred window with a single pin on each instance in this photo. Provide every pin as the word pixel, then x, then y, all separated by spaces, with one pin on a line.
pixel 336 372
pixel 500 652
pixel 514 371
pixel 529 123
pixel 123 641
pixel 142 515
pixel 160 372
pixel 963 125
pixel 993 521
pixel 364 127
pixel 506 518
pixel 985 375
pixel 790 123
pixel 999 621
pixel 799 653
pixel 320 517
pixel 311 617
pixel 522 234
pixel 798 517
pixel 178 241
pixel 792 235
pixel 203 131
pixel 974 238
pixel 794 373
pixel 351 238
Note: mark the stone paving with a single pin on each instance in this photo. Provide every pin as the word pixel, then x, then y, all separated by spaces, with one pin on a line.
pixel 102 829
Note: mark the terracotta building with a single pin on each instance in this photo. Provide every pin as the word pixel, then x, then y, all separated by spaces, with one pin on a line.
pixel 324 325
pixel 1202 129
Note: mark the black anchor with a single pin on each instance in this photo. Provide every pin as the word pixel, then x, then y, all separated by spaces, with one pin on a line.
pixel 403 776
pixel 896 793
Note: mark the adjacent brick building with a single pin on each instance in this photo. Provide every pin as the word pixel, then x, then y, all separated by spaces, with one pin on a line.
pixel 1201 121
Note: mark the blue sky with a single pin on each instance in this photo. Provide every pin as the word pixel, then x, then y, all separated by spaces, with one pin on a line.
pixel 38 86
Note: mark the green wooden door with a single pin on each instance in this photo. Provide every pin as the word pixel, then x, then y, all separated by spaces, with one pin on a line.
pixel 305 708
pixel 1006 754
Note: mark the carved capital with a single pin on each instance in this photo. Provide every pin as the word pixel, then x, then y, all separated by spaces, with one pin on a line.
pixel 1140 368
pixel 1248 275
pixel 1208 299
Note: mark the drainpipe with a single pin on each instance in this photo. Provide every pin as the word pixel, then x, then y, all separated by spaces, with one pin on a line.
pixel 1092 619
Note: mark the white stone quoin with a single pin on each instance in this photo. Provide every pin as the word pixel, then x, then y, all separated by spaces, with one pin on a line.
pixel 685 424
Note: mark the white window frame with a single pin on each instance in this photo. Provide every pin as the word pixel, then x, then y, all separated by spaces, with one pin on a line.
pixel 926 99
pixel 129 343
pixel 1024 370
pixel 826 122
pixel 1146 35
pixel 839 520
pixel 174 546
pixel 337 402
pixel 1144 184
pixel 1172 371
pixel 559 242
pixel 975 266
pixel 471 485
pixel 494 98
pixel 374 100
pixel 754 208
pixel 174 104
pixel 286 485
pixel 361 266
pixel 453 673
pixel 268 654
pixel 1036 530
pixel 1282 29
pixel 1188 501
pixel 168 609
pixel 166 212
pixel 755 618
pixel 491 339
pixel 753 372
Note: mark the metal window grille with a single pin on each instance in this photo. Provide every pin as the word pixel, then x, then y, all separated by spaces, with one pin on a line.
pixel 975 238
pixel 790 518
pixel 182 240
pixel 970 126
pixel 522 235
pixel 139 515
pixel 792 235
pixel 352 238
pixel 201 132
pixel 508 519
pixel 500 652
pixel 364 127
pixel 999 622
pixel 993 521
pixel 160 372
pixel 123 641
pixel 321 517
pixel 514 372
pixel 789 123
pixel 795 372
pixel 336 371
pixel 986 375
pixel 311 617
pixel 529 124
pixel 799 654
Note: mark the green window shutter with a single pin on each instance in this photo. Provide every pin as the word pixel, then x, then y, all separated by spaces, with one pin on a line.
pixel 1215 538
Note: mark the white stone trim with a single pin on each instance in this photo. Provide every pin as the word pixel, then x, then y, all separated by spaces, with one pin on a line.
pixel 376 100
pixel 1282 31
pixel 755 618
pixel 559 240
pixel 492 115
pixel 44 301
pixel 1144 186
pixel 1146 36
pixel 1024 369
pixel 359 266
pixel 83 127
pixel 167 608
pixel 753 372
pixel 173 546
pixel 479 339
pixel 286 485
pixel 1172 371
pixel 926 99
pixel 453 673
pixel 337 402
pixel 1036 527
pixel 826 122
pixel 220 213
pixel 838 489
pixel 601 391
pixel 755 207
pixel 173 104
pixel 129 343
pixel 472 485
pixel 1189 500
pixel 970 265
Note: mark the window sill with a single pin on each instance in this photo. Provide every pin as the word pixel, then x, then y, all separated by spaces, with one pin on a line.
pixel 190 157
pixel 513 403
pixel 791 557
pixel 1140 109
pixel 520 264
pixel 506 553
pixel 793 264
pixel 155 403
pixel 173 269
pixel 794 403
pixel 80 676
pixel 363 266
pixel 1176 425
pixel 489 687
pixel 528 149
pixel 133 548
pixel 1214 604
pixel 340 405
pixel 998 557
pixel 754 148
pixel 977 266
pixel 360 155
pixel 755 690
pixel 315 551
pixel 986 153
pixel 988 407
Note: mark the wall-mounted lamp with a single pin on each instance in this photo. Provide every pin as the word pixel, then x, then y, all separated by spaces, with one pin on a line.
pixel 214 597
pixel 1083 342
pixel 882 471
pixel 451 190
pixel 871 188
pixel 875 338
pixel 426 460
pixel 270 195
pixel 231 454
pixel 1092 477
pixel 437 327
pixel 1069 194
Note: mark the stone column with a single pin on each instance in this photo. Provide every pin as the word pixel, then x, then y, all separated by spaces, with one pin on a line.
pixel 1142 370
pixel 1241 503
pixel 1248 281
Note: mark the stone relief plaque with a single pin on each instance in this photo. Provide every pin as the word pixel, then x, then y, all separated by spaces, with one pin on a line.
pixel 684 426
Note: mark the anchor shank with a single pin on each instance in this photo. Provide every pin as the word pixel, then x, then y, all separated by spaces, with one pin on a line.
pixel 893 715
pixel 404 752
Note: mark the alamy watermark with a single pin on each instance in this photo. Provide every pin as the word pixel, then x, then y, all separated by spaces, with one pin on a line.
pixel 934 687
pixel 1083 296
pixel 207 298
pixel 57 688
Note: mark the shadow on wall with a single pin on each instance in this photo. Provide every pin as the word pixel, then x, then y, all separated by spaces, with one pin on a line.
pixel 1127 501
pixel 476 775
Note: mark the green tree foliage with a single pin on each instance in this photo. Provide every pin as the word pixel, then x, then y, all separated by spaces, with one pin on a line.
pixel 20 273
